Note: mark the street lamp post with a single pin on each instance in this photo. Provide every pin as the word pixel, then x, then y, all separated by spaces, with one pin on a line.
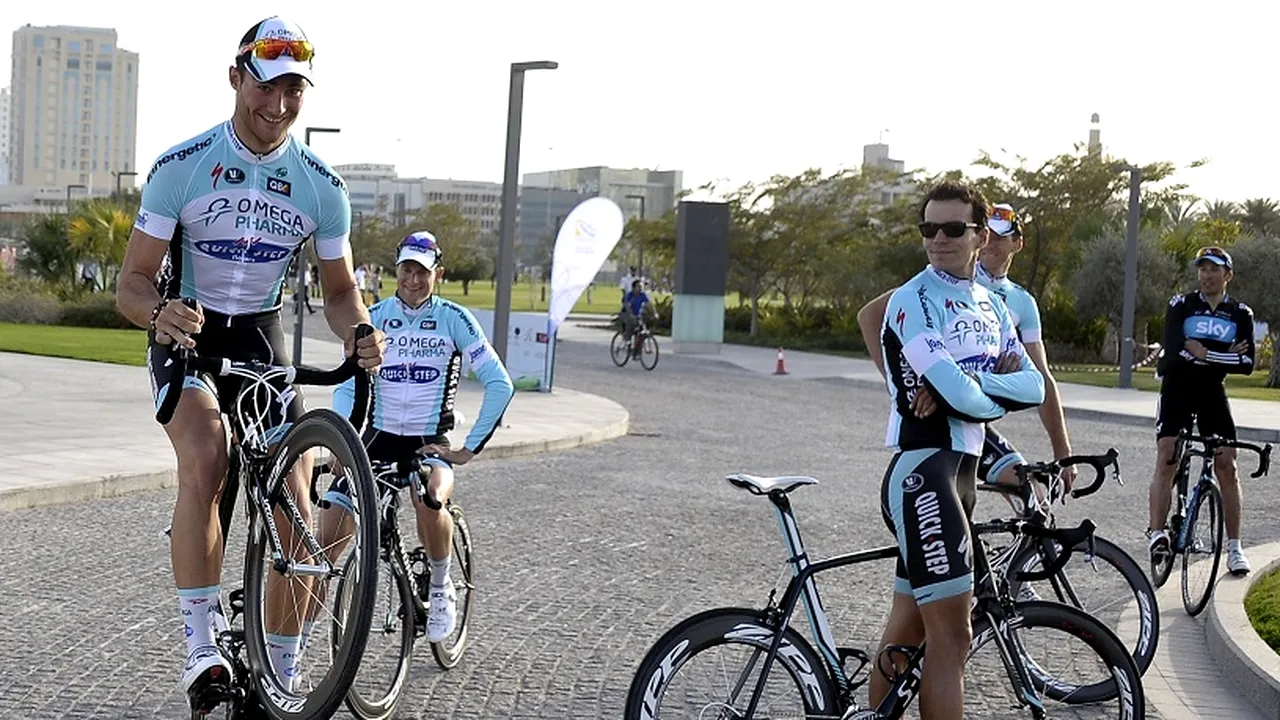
pixel 1130 280
pixel 69 188
pixel 301 286
pixel 120 175
pixel 507 223
pixel 640 249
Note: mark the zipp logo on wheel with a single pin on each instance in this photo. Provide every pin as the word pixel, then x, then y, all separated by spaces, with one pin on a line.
pixel 665 671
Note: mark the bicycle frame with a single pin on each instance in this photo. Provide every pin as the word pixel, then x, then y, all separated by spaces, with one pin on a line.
pixel 803 588
pixel 1186 501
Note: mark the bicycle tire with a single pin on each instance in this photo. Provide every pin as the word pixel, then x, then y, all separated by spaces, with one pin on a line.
pixel 1092 632
pixel 724 626
pixel 1143 647
pixel 1194 603
pixel 448 652
pixel 318 427
pixel 619 347
pixel 650 342
pixel 379 708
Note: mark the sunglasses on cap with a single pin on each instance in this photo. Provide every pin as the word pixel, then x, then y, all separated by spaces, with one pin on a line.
pixel 1003 214
pixel 273 48
pixel 1214 253
pixel 419 243
pixel 953 229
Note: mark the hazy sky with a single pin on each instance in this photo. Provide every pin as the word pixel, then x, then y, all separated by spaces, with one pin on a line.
pixel 722 92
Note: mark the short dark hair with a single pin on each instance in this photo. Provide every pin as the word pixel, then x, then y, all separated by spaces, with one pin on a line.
pixel 242 58
pixel 955 190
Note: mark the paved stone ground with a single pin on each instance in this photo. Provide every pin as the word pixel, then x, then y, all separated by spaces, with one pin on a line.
pixel 585 556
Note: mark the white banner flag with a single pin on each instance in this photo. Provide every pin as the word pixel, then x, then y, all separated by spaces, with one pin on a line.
pixel 586 238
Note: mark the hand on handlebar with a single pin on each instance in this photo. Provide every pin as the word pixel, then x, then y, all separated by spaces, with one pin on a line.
pixel 370 349
pixel 177 322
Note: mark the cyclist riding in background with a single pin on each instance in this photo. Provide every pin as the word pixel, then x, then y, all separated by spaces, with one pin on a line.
pixel 428 338
pixel 999 459
pixel 949 336
pixel 634 304
pixel 1207 334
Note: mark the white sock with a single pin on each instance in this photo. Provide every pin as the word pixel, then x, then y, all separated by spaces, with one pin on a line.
pixel 198 605
pixel 307 627
pixel 1233 543
pixel 283 650
pixel 439 570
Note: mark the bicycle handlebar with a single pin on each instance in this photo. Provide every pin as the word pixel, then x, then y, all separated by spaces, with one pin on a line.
pixel 405 468
pixel 1065 537
pixel 1099 463
pixel 1213 442
pixel 186 361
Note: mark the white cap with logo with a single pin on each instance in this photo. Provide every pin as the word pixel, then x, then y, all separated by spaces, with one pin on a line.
pixel 276 47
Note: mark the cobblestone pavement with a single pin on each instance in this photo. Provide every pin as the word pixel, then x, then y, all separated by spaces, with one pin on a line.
pixel 584 557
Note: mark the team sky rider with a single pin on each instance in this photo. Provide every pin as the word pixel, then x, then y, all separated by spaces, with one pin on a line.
pixel 999 458
pixel 1207 334
pixel 948 335
pixel 412 409
pixel 225 212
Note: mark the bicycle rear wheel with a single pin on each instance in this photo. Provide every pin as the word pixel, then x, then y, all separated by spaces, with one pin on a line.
pixel 649 352
pixel 449 651
pixel 619 350
pixel 290 608
pixel 1203 549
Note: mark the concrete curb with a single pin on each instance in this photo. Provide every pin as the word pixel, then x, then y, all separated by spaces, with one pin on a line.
pixel 1251 664
pixel 124 484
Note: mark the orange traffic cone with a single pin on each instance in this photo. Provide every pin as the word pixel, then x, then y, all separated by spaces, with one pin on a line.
pixel 781 367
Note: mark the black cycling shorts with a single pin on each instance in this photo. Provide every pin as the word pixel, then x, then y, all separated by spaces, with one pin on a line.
pixel 245 337
pixel 921 501
pixel 386 447
pixel 998 454
pixel 1205 404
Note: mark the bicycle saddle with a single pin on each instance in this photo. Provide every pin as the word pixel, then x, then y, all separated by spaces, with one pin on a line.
pixel 764 485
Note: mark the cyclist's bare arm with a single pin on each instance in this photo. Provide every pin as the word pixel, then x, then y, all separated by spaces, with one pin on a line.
pixel 870 320
pixel 137 296
pixel 344 309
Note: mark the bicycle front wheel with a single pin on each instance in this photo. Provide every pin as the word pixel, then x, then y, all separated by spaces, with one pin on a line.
pixel 384 665
pixel 1110 586
pixel 304 644
pixel 1203 550
pixel 619 349
pixel 649 353
pixel 709 665
pixel 1065 652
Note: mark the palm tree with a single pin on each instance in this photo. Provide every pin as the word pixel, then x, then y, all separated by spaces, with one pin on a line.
pixel 100 230
pixel 48 256
pixel 1260 215
pixel 1223 210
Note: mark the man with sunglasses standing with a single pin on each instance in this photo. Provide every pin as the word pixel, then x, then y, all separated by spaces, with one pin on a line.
pixel 999 458
pixel 412 408
pixel 1207 334
pixel 946 334
pixel 224 213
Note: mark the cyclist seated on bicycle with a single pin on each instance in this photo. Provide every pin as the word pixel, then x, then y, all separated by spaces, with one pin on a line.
pixel 188 238
pixel 634 304
pixel 412 406
pixel 949 334
pixel 1207 334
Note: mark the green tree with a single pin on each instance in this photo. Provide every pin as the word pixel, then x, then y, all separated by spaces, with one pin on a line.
pixel 1260 216
pixel 467 257
pixel 1098 283
pixel 1257 283
pixel 100 230
pixel 48 255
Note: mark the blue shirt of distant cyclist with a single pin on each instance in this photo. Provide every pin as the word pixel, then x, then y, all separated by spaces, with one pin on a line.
pixel 1022 307
pixel 635 301
pixel 237 218
pixel 414 391
pixel 945 334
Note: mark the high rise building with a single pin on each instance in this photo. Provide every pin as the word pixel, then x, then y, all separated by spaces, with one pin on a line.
pixel 74 108
pixel 4 136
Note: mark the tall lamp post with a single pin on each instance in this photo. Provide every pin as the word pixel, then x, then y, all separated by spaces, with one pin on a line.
pixel 301 280
pixel 69 188
pixel 1130 280
pixel 507 223
pixel 120 175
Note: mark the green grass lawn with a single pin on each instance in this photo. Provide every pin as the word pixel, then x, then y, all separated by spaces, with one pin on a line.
pixel 1238 386
pixel 1262 605
pixel 122 347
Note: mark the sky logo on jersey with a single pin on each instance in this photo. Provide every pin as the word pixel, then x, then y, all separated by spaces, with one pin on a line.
pixel 242 249
pixel 1209 328
pixel 410 373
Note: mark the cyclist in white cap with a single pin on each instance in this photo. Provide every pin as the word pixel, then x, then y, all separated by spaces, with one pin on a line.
pixel 225 213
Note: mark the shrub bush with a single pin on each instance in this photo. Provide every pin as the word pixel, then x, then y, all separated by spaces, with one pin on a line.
pixel 97 310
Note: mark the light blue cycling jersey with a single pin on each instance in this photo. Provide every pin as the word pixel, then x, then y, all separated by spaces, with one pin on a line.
pixel 243 217
pixel 414 391
pixel 946 333
pixel 1023 307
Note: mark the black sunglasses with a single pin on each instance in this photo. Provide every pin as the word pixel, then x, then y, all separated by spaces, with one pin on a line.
pixel 953 229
